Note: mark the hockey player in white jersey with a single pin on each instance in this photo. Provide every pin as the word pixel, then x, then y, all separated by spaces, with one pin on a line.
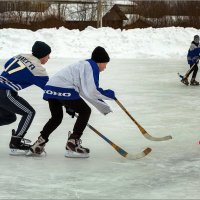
pixel 67 88
pixel 19 73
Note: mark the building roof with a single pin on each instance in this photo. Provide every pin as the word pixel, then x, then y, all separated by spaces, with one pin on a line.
pixel 119 11
pixel 126 9
pixel 115 14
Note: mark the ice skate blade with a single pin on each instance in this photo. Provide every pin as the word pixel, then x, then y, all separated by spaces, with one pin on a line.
pixel 72 154
pixel 18 152
pixel 31 154
pixel 194 85
pixel 185 83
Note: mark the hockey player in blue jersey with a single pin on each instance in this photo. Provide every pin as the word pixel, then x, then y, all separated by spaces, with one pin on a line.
pixel 67 88
pixel 193 59
pixel 19 73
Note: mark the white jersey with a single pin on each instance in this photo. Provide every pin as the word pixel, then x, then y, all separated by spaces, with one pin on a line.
pixel 79 79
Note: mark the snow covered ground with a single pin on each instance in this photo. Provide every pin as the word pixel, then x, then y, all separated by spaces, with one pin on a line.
pixel 152 93
pixel 136 43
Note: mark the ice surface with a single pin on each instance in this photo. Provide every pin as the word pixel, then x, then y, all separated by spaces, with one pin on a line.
pixel 151 91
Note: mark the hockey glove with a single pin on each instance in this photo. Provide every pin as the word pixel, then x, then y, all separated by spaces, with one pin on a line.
pixel 111 94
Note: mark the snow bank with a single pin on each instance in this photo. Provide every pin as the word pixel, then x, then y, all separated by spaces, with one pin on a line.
pixel 146 43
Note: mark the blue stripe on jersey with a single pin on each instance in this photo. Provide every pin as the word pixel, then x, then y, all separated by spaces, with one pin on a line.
pixel 6 84
pixel 3 86
pixel 51 92
pixel 22 78
pixel 95 69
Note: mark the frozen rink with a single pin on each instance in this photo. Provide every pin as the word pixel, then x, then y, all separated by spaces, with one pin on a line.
pixel 150 90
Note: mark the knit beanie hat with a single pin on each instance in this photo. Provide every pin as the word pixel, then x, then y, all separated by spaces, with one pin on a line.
pixel 40 49
pixel 196 38
pixel 99 55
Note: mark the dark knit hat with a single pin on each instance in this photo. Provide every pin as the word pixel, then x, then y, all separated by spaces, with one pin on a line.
pixel 40 49
pixel 99 55
pixel 196 37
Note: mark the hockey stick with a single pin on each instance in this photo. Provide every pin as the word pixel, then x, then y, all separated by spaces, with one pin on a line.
pixel 121 151
pixel 189 71
pixel 142 130
pixel 191 68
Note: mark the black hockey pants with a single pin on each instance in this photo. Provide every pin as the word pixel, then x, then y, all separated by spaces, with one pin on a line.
pixel 56 109
pixel 12 104
pixel 194 70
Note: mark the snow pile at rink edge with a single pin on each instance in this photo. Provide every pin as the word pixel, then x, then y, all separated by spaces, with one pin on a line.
pixel 148 43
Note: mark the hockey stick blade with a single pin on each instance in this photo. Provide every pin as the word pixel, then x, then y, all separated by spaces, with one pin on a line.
pixel 119 150
pixel 139 155
pixel 180 76
pixel 142 130
pixel 182 79
pixel 149 137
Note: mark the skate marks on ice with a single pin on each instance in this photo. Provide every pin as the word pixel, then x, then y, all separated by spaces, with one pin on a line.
pixel 153 94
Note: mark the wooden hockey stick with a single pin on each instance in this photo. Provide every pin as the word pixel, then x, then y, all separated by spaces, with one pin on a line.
pixel 119 150
pixel 142 130
pixel 188 72
pixel 191 68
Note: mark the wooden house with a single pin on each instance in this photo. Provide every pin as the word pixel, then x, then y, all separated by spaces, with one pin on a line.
pixel 124 17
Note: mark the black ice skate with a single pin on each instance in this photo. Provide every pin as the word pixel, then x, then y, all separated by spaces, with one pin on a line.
pixel 193 82
pixel 75 150
pixel 18 145
pixel 185 81
pixel 38 147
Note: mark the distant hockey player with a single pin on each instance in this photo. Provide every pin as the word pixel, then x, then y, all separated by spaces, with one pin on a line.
pixel 66 88
pixel 193 59
pixel 21 72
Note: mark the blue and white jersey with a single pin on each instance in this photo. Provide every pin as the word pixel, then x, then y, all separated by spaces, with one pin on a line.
pixel 193 53
pixel 23 71
pixel 79 79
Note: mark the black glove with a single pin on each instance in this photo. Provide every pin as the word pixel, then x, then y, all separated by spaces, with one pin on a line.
pixel 70 111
